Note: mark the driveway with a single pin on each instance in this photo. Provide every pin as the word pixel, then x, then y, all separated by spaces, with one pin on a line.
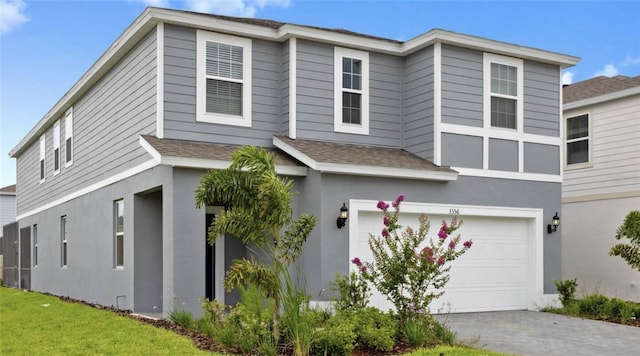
pixel 537 333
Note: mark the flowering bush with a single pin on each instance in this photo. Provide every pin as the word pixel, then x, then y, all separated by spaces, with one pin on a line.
pixel 410 278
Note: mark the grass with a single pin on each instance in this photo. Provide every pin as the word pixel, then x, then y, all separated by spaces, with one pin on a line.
pixel 37 324
pixel 453 351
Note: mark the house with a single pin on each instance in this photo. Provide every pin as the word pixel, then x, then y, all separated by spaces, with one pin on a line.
pixel 601 185
pixel 7 213
pixel 461 125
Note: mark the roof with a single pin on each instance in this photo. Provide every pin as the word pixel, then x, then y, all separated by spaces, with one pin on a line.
pixel 598 86
pixel 208 155
pixel 272 31
pixel 8 190
pixel 330 157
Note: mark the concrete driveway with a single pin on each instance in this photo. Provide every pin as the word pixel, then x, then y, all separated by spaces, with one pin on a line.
pixel 537 333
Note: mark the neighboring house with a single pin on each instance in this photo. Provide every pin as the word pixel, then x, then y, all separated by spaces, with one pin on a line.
pixel 7 213
pixel 460 125
pixel 601 181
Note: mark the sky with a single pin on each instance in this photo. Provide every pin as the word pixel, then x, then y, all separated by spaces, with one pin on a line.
pixel 46 46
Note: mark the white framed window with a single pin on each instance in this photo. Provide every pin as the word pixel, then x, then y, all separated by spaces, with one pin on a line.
pixel 34 233
pixel 63 241
pixel 223 69
pixel 68 137
pixel 56 148
pixel 42 156
pixel 503 86
pixel 351 91
pixel 118 236
pixel 577 140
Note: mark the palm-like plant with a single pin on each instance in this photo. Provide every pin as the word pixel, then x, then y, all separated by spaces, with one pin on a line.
pixel 257 209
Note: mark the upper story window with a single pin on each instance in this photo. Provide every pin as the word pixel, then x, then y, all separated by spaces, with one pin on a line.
pixel 577 139
pixel 42 154
pixel 503 92
pixel 56 147
pixel 223 79
pixel 68 137
pixel 351 91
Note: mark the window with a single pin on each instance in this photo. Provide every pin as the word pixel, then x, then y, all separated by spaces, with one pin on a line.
pixel 224 79
pixel 503 91
pixel 577 134
pixel 118 243
pixel 63 241
pixel 351 91
pixel 68 137
pixel 34 232
pixel 42 154
pixel 56 148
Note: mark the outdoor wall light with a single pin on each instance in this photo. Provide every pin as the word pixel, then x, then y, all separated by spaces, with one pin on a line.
pixel 343 216
pixel 554 224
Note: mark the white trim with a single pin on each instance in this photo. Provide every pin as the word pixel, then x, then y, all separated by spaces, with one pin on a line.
pixel 160 80
pixel 500 134
pixel 437 106
pixel 202 37
pixel 373 171
pixel 293 86
pixel 538 177
pixel 219 269
pixel 535 268
pixel 203 163
pixel 151 16
pixel 561 124
pixel 68 134
pixel 93 187
pixel 42 168
pixel 338 125
pixel 602 196
pixel 488 59
pixel 602 98
pixel 56 145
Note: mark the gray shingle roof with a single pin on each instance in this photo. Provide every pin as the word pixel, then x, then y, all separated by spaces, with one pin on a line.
pixel 339 153
pixel 8 190
pixel 598 86
pixel 205 150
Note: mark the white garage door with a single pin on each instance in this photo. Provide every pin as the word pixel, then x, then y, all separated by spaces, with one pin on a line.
pixel 491 276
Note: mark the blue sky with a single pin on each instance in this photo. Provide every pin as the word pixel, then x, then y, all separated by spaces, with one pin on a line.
pixel 46 46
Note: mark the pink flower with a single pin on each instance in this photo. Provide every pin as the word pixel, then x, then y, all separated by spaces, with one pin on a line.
pixel 400 198
pixel 427 251
pixel 382 205
pixel 441 261
pixel 385 232
pixel 468 243
pixel 452 244
pixel 442 233
pixel 386 221
pixel 363 268
pixel 431 258
pixel 356 261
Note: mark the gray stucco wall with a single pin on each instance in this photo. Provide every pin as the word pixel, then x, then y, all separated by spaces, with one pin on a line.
pixel 462 150
pixel 327 252
pixel 106 123
pixel 503 155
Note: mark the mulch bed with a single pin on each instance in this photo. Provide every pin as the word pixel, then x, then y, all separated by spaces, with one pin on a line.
pixel 204 343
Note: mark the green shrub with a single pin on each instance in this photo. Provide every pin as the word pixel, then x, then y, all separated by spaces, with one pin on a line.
pixel 416 331
pixel 182 318
pixel 444 334
pixel 205 326
pixel 336 338
pixel 353 291
pixel 567 290
pixel 594 305
pixel 375 329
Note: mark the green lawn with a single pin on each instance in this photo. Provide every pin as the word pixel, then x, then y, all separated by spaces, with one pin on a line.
pixel 36 324
pixel 454 351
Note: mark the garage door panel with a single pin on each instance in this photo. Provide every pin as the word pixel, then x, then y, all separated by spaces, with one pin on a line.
pixel 492 275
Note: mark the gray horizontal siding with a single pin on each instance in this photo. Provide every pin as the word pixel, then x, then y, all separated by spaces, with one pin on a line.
pixel 315 102
pixel 541 99
pixel 180 93
pixel 418 104
pixel 107 121
pixel 462 94
pixel 285 89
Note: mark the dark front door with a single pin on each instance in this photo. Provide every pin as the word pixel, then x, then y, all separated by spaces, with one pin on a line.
pixel 210 257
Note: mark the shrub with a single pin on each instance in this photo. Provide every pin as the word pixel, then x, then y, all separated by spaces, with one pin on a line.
pixel 629 229
pixel 182 318
pixel 567 290
pixel 594 305
pixel 375 329
pixel 444 334
pixel 353 291
pixel 336 338
pixel 416 331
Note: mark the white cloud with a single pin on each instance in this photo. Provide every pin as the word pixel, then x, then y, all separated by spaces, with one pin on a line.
pixel 154 3
pixel 608 71
pixel 630 61
pixel 567 78
pixel 12 15
pixel 244 8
